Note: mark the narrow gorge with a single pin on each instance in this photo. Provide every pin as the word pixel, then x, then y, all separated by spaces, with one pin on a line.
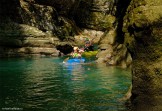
pixel 128 33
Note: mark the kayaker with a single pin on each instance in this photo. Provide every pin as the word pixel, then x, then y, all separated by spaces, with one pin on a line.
pixel 77 53
pixel 88 45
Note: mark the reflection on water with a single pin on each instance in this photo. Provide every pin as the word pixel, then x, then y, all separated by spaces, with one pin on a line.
pixel 46 84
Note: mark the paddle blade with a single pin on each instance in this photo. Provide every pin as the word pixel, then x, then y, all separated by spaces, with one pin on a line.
pixel 65 60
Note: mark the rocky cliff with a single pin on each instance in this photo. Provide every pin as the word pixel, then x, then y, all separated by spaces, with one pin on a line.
pixel 33 27
pixel 143 36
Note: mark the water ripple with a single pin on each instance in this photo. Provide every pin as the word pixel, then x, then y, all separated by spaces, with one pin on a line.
pixel 45 84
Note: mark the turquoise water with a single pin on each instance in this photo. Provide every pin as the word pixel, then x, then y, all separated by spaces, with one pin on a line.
pixel 46 84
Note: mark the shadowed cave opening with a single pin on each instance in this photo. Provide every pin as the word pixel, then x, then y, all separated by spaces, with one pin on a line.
pixel 65 49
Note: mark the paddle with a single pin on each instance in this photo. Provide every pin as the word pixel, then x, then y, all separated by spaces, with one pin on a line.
pixel 66 59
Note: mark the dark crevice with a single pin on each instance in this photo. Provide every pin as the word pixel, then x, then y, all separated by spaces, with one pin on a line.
pixel 120 13
pixel 65 49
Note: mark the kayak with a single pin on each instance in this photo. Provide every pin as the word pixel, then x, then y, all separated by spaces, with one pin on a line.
pixel 76 60
pixel 89 53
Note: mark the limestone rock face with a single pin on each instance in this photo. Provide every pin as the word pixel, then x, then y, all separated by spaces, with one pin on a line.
pixel 21 40
pixel 33 23
pixel 143 37
pixel 44 16
pixel 96 14
pixel 63 7
pixel 111 52
pixel 39 16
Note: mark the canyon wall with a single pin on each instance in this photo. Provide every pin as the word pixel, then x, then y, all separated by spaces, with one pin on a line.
pixel 143 37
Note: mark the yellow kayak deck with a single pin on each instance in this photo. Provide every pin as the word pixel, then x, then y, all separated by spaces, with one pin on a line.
pixel 89 54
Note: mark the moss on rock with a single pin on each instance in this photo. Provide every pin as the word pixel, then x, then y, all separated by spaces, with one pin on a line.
pixel 142 28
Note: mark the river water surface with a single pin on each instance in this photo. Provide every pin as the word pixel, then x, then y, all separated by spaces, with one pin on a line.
pixel 46 84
